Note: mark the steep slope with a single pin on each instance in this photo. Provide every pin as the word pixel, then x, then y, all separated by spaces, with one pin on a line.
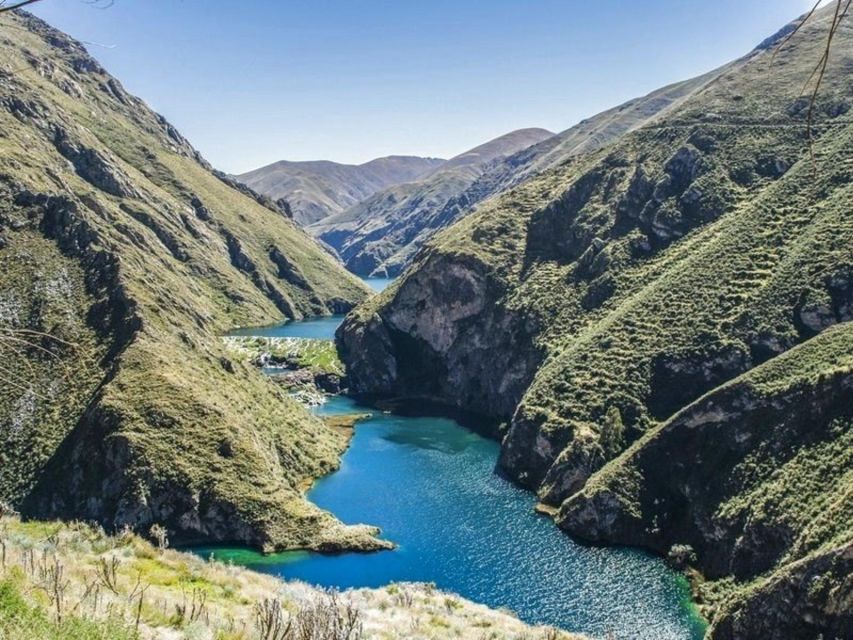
pixel 122 255
pixel 434 214
pixel 379 235
pixel 586 136
pixel 316 190
pixel 587 306
pixel 760 475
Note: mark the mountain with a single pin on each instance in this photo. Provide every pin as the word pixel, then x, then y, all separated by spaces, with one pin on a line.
pixel 319 189
pixel 661 330
pixel 379 234
pixel 401 219
pixel 123 256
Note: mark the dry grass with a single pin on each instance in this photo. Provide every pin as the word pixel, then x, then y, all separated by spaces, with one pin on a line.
pixel 72 579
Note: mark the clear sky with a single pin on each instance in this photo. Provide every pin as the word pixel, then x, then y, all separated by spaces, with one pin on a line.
pixel 254 81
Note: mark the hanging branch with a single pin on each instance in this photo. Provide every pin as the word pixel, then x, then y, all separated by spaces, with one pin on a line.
pixel 819 70
pixel 17 5
pixel 98 4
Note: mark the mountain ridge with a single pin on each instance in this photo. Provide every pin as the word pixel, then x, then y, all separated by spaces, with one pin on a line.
pixel 409 229
pixel 316 189
pixel 373 231
pixel 124 256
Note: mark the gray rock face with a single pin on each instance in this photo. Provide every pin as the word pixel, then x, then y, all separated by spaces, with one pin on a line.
pixel 94 167
pixel 430 343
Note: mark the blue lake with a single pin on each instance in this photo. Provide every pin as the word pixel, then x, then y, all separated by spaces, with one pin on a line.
pixel 320 327
pixel 431 486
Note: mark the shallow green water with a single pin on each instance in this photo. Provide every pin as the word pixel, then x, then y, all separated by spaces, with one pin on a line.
pixel 431 486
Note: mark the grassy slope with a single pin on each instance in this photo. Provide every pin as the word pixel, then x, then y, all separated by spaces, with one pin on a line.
pixel 118 238
pixel 644 274
pixel 151 587
pixel 759 484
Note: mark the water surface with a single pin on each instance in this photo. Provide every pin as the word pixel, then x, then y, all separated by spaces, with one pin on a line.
pixel 319 327
pixel 378 284
pixel 431 486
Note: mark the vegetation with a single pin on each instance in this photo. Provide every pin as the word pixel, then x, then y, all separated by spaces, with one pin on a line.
pixel 318 356
pixel 123 257
pixel 637 278
pixel 72 581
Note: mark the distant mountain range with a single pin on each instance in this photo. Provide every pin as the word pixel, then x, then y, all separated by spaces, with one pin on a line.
pixel 318 189
pixel 378 235
pixel 377 231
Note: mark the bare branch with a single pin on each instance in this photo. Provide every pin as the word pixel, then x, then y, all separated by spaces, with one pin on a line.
pixel 17 5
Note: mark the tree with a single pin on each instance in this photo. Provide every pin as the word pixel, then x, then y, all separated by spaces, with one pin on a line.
pixel 5 5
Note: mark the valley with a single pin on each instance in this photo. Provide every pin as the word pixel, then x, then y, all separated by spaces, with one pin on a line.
pixel 588 384
pixel 406 474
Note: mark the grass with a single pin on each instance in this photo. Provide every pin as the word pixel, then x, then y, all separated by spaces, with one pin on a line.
pixel 116 587
pixel 146 419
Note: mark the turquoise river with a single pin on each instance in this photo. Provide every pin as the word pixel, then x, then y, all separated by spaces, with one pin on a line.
pixel 431 485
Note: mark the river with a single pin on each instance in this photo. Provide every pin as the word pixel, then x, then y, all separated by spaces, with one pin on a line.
pixel 431 485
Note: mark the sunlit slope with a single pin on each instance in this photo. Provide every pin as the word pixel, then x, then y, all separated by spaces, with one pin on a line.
pixel 588 305
pixel 123 246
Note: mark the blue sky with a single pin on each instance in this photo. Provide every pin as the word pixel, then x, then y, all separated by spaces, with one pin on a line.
pixel 251 82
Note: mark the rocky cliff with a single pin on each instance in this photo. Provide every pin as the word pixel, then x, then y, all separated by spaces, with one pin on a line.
pixel 122 256
pixel 593 303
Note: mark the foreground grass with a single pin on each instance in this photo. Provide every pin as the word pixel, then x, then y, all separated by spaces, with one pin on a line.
pixel 72 581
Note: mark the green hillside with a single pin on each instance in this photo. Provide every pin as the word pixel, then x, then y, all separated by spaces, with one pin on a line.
pixel 122 257
pixel 587 306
